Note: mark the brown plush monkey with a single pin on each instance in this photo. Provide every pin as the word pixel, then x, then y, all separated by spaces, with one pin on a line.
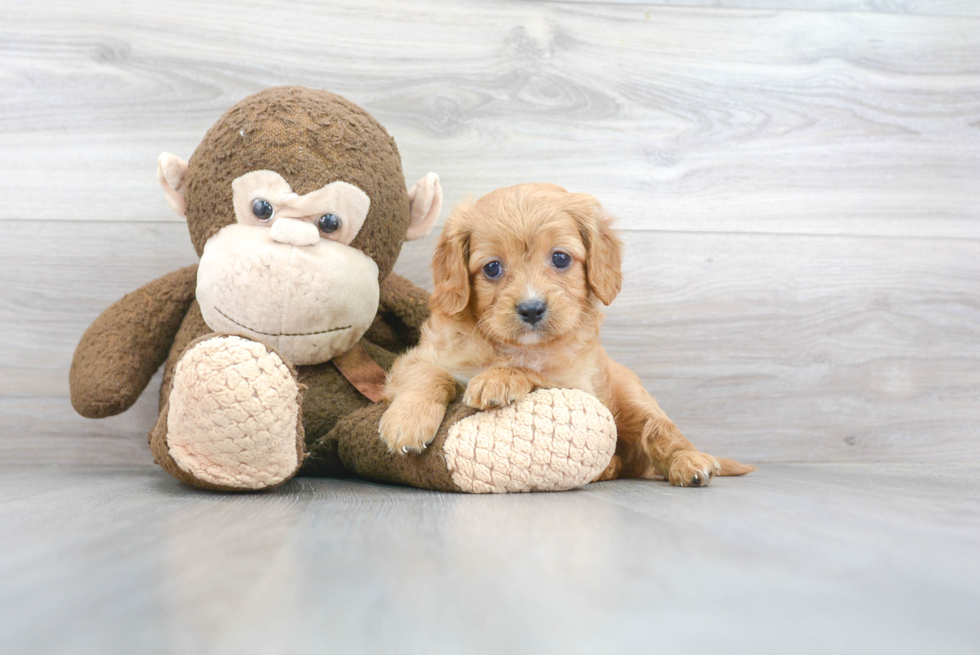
pixel 277 343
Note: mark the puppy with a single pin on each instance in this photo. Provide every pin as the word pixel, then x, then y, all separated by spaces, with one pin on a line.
pixel 520 277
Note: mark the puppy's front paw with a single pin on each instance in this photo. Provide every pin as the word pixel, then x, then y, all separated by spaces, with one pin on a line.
pixel 691 468
pixel 408 426
pixel 496 387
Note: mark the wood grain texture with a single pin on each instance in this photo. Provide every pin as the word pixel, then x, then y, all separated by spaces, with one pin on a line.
pixel 681 119
pixel 919 7
pixel 764 347
pixel 799 189
pixel 848 559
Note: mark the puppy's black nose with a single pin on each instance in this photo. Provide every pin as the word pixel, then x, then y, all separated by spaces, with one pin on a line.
pixel 532 311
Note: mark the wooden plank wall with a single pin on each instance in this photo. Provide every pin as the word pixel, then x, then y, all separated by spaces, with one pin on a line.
pixel 797 181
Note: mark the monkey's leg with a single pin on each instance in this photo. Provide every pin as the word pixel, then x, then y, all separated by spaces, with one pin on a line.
pixel 552 440
pixel 232 419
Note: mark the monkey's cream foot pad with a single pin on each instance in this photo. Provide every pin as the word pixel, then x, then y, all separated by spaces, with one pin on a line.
pixel 552 440
pixel 234 413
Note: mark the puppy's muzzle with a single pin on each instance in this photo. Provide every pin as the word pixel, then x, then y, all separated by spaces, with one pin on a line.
pixel 532 311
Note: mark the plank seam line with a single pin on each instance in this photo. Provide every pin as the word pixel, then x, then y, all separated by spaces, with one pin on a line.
pixel 834 235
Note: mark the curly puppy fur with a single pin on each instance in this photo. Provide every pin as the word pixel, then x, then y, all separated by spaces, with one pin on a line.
pixel 521 276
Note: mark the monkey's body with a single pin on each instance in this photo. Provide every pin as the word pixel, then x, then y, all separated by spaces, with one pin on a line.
pixel 296 202
pixel 328 396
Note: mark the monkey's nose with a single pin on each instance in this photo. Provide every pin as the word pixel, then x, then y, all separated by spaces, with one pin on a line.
pixel 532 311
pixel 294 232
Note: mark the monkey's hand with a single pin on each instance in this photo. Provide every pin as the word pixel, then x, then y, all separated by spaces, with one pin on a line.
pixel 127 343
pixel 403 308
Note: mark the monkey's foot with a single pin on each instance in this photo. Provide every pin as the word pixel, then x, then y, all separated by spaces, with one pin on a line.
pixel 551 440
pixel 234 415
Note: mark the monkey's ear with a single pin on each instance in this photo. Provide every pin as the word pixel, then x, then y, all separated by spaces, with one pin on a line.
pixel 425 200
pixel 172 176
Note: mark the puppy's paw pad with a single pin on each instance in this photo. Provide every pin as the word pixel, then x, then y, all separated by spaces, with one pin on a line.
pixel 692 469
pixel 409 428
pixel 497 387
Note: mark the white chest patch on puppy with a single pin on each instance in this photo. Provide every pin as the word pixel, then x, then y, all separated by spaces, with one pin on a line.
pixel 530 339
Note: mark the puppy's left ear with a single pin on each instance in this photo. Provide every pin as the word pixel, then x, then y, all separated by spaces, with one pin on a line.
pixel 603 265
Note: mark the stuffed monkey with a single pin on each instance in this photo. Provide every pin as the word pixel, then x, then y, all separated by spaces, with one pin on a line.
pixel 276 344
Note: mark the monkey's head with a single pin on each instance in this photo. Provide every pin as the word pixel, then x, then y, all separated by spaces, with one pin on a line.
pixel 296 203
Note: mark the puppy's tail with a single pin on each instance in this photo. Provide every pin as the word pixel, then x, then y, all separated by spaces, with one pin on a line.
pixel 731 467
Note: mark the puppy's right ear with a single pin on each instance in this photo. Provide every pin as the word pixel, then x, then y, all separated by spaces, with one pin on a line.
pixel 603 264
pixel 450 268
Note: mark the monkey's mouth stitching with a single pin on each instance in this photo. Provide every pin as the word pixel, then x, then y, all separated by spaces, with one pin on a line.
pixel 281 334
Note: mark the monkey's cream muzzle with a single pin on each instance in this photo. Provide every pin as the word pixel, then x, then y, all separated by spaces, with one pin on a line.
pixel 310 302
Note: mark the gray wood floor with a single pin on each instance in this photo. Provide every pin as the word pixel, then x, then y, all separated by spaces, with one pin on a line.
pixel 797 185
pixel 792 559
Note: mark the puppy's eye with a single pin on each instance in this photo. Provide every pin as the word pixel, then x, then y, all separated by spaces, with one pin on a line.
pixel 493 270
pixel 262 209
pixel 561 259
pixel 328 223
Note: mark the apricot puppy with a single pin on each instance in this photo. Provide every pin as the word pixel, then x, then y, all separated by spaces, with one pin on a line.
pixel 521 276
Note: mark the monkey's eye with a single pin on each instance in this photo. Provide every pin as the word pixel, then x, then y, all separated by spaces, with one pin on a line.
pixel 328 223
pixel 561 259
pixel 262 209
pixel 493 270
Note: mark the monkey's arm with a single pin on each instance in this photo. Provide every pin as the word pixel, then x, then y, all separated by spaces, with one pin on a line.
pixel 402 310
pixel 127 343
